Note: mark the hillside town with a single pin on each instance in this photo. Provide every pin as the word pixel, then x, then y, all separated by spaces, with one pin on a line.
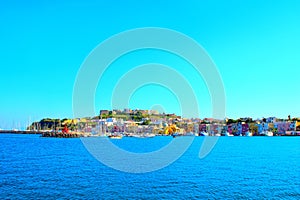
pixel 149 123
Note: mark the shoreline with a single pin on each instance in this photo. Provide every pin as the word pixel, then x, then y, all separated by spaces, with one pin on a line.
pixel 44 133
pixel 20 132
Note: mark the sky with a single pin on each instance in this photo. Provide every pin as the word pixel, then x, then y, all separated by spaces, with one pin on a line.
pixel 255 45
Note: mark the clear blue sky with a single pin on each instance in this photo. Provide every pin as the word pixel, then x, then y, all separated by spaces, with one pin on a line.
pixel 255 45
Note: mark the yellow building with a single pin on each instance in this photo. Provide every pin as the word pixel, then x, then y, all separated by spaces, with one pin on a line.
pixel 297 124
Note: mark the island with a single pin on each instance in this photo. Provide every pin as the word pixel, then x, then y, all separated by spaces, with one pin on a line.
pixel 116 124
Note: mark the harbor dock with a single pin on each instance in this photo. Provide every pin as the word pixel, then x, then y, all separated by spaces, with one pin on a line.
pixel 46 133
pixel 20 132
pixel 63 134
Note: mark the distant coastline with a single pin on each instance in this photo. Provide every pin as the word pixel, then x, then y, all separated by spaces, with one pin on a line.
pixel 146 123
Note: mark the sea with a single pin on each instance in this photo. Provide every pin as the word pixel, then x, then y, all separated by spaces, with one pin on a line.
pixel 32 167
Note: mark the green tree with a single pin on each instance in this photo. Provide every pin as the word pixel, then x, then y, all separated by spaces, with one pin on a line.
pixel 253 128
pixel 146 122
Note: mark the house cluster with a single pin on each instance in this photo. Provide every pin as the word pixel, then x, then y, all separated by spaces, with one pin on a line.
pixel 151 122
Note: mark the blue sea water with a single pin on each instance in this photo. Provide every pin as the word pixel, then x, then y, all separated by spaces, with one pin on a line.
pixel 238 167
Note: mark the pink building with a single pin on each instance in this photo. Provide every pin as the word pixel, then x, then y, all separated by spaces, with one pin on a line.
pixel 245 128
pixel 282 127
pixel 202 127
